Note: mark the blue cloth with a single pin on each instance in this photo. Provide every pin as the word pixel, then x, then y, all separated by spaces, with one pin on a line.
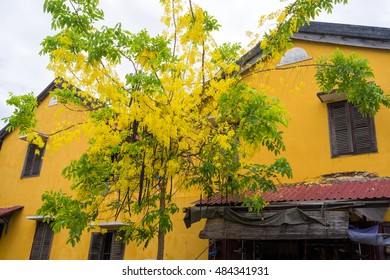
pixel 369 236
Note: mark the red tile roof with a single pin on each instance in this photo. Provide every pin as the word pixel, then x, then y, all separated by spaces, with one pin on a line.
pixel 342 190
pixel 8 210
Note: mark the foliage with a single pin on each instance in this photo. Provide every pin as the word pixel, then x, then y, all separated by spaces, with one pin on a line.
pixel 23 116
pixel 72 214
pixel 154 127
pixel 352 75
pixel 293 16
pixel 181 117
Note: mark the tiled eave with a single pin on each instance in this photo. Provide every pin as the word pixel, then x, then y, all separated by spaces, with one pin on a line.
pixel 341 191
pixel 4 211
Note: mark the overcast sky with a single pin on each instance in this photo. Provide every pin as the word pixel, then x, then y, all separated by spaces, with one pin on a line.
pixel 23 25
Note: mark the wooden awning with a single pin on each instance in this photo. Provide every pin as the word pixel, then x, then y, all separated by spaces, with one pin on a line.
pixel 335 226
pixel 5 211
pixel 5 216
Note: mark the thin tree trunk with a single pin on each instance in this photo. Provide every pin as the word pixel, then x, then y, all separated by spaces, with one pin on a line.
pixel 161 231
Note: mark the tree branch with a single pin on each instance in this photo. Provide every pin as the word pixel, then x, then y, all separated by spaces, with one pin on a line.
pixel 283 68
pixel 65 129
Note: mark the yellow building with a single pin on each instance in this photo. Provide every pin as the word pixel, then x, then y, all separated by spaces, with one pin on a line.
pixel 340 162
pixel 351 162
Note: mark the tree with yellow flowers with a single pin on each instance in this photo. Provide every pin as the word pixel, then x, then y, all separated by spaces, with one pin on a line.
pixel 180 118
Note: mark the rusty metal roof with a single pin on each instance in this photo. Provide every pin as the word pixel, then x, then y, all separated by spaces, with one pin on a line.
pixel 8 210
pixel 341 190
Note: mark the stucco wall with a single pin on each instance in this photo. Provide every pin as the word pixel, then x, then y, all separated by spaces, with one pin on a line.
pixel 307 136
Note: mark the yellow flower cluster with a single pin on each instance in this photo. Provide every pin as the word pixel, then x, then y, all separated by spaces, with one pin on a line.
pixel 35 139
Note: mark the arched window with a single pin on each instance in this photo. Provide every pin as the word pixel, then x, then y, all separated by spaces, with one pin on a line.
pixel 294 55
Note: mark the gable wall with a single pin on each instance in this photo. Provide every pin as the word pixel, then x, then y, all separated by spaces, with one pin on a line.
pixel 307 137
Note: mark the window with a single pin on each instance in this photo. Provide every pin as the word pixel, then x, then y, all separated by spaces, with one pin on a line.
pixel 294 55
pixel 350 132
pixel 53 101
pixel 42 242
pixel 33 161
pixel 1 228
pixel 106 246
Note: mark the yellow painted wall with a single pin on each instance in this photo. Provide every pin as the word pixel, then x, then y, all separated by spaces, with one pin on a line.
pixel 307 136
pixel 16 244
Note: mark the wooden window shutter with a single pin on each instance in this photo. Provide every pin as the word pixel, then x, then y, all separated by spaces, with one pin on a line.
pixel 46 243
pixel 107 246
pixel 96 246
pixel 28 165
pixel 33 162
pixel 363 132
pixel 36 247
pixel 350 132
pixel 42 242
pixel 37 163
pixel 117 247
pixel 340 129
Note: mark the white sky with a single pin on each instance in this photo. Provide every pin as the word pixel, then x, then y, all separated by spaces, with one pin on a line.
pixel 23 25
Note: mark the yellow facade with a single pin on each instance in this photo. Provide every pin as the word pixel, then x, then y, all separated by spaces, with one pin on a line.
pixel 307 150
pixel 16 244
pixel 307 136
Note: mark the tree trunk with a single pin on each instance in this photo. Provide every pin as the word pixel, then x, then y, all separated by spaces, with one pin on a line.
pixel 161 230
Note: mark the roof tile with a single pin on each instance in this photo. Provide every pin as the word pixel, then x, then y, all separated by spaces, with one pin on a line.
pixel 8 210
pixel 338 190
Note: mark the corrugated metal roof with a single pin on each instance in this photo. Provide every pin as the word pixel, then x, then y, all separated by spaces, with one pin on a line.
pixel 342 190
pixel 8 210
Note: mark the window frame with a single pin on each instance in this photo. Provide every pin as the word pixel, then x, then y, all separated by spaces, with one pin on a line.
pixel 42 242
pixel 106 246
pixel 33 163
pixel 356 129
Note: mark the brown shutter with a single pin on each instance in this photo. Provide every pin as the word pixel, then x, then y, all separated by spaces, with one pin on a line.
pixel 96 246
pixel 340 129
pixel 46 243
pixel 117 247
pixel 37 162
pixel 114 246
pixel 42 242
pixel 350 132
pixel 28 165
pixel 36 247
pixel 363 132
pixel 33 162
